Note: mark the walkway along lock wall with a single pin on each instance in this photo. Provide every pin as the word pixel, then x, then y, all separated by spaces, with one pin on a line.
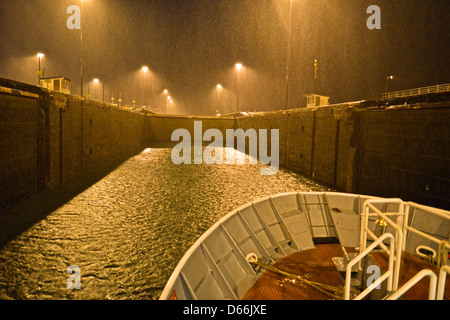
pixel 49 138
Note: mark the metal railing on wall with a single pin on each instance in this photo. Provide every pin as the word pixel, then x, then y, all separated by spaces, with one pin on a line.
pixel 417 91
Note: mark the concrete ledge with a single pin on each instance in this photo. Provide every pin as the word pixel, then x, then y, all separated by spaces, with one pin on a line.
pixel 16 92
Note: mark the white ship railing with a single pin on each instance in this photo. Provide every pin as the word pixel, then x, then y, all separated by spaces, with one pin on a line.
pixel 417 91
pixel 418 232
pixel 401 228
pixel 369 204
pixel 441 285
pixel 387 275
pixel 419 276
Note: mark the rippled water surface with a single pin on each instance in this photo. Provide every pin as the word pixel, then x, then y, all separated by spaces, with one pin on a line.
pixel 128 231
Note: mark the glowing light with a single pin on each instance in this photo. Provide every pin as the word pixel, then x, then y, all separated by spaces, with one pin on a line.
pixel 40 55
pixel 145 69
pixel 96 81
pixel 239 66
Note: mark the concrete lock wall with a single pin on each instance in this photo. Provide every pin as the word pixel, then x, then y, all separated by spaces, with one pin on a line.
pixel 49 138
pixel 86 135
pixel 19 112
pixel 404 152
pixel 316 143
pixel 160 127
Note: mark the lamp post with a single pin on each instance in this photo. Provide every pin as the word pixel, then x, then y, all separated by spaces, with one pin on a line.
pixel 145 70
pixel 82 47
pixel 219 88
pixel 387 82
pixel 169 98
pixel 96 81
pixel 288 54
pixel 40 56
pixel 165 95
pixel 170 103
pixel 238 68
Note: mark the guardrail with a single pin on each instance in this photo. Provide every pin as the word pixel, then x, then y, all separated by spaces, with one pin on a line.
pixel 369 204
pixel 434 211
pixel 419 276
pixel 432 293
pixel 401 228
pixel 417 91
pixel 387 275
pixel 441 285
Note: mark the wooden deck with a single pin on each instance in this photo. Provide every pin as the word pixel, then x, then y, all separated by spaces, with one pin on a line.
pixel 317 265
pixel 312 264
pixel 411 265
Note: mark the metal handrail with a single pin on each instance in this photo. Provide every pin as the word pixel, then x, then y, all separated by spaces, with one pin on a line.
pixel 444 269
pixel 434 211
pixel 402 228
pixel 387 275
pixel 368 204
pixel 441 285
pixel 417 91
pixel 365 213
pixel 421 274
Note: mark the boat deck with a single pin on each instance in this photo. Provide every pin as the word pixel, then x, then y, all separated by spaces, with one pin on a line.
pixel 409 268
pixel 311 264
pixel 317 265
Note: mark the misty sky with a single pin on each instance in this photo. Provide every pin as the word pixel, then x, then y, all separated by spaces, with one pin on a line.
pixel 191 46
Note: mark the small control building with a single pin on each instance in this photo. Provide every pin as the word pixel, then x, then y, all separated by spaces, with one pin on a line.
pixel 315 100
pixel 60 84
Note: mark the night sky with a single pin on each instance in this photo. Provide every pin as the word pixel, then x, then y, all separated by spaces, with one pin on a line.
pixel 191 46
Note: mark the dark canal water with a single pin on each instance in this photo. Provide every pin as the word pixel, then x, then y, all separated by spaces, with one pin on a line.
pixel 128 231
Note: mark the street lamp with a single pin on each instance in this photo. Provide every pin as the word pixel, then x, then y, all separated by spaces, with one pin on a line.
pixel 288 54
pixel 81 38
pixel 40 56
pixel 170 103
pixel 165 97
pixel 169 98
pixel 97 81
pixel 145 70
pixel 219 89
pixel 238 68
pixel 387 81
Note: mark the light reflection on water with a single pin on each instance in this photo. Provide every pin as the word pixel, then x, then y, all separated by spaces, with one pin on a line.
pixel 128 231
